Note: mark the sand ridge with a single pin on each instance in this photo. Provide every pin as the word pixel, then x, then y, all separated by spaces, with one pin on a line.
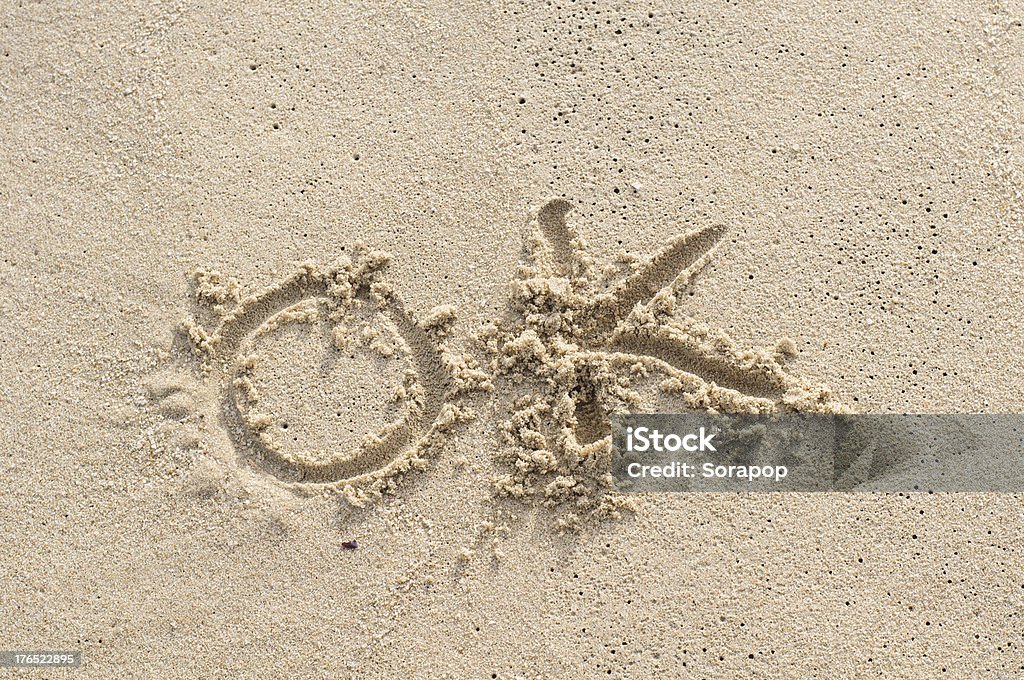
pixel 585 338
pixel 224 360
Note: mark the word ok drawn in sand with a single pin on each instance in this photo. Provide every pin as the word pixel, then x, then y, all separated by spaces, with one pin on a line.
pixel 577 344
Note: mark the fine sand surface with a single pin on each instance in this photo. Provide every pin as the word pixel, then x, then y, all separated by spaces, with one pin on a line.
pixel 280 277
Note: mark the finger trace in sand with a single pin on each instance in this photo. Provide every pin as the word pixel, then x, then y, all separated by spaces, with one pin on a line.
pixel 430 407
pixel 582 345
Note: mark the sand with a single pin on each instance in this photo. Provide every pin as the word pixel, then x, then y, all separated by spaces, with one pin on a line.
pixel 314 317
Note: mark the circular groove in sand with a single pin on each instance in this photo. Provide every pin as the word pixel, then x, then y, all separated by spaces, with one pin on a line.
pixel 376 458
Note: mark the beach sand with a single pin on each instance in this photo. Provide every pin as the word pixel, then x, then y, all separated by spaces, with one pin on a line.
pixel 313 316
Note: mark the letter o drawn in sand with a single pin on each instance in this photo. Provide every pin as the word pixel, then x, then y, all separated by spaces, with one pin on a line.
pixel 312 295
